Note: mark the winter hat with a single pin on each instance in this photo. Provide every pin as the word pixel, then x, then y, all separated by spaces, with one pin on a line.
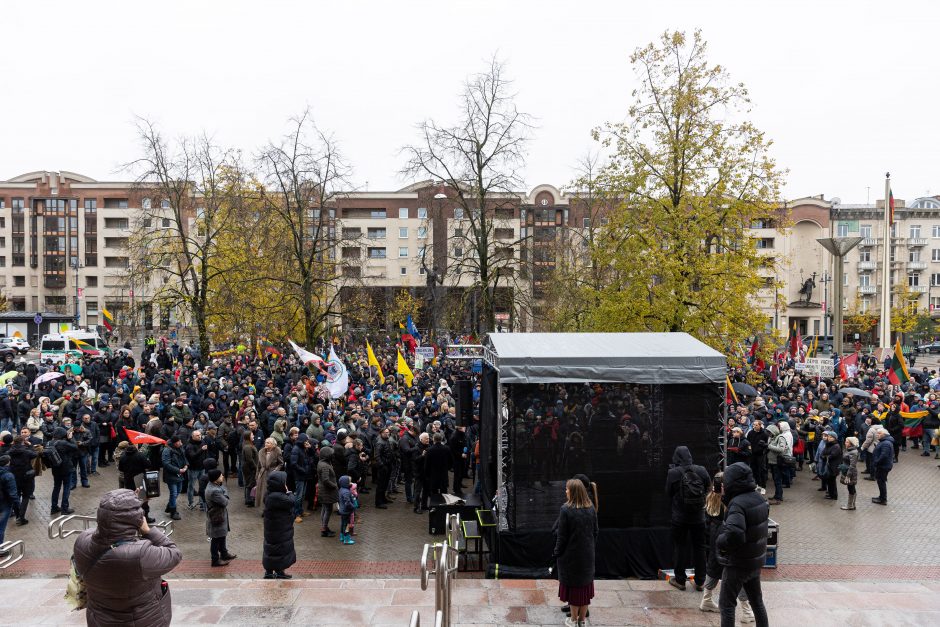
pixel 214 474
pixel 853 441
pixel 830 433
pixel 4 460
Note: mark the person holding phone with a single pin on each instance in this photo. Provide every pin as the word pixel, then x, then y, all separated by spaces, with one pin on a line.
pixel 122 562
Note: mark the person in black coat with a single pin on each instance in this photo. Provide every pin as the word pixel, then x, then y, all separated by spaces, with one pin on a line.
pixel 437 462
pixel 279 554
pixel 742 543
pixel 419 456
pixel 21 465
pixel 832 455
pixel 61 475
pixel 686 485
pixel 134 464
pixel 759 439
pixel 574 550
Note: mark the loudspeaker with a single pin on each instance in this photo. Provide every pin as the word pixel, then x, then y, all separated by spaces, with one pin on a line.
pixel 464 400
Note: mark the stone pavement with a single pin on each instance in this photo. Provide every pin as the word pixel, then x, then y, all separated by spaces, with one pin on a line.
pixel 478 603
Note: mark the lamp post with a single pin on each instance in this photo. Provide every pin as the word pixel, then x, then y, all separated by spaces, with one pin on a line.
pixel 838 247
pixel 76 266
pixel 825 280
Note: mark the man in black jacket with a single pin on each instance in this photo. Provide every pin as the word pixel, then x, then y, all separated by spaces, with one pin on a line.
pixel 686 485
pixel 61 474
pixel 383 462
pixel 742 543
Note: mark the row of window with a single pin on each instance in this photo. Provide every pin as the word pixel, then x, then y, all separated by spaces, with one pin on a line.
pixel 865 230
pixel 912 255
pixel 356 271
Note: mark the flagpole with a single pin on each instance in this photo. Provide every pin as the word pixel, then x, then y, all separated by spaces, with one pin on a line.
pixel 886 270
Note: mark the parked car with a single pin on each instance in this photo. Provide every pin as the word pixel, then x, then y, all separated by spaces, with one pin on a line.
pixel 825 343
pixel 18 344
pixel 933 347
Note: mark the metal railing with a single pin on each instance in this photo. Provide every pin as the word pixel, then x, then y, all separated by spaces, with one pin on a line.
pixel 444 569
pixel 416 619
pixel 17 551
pixel 57 526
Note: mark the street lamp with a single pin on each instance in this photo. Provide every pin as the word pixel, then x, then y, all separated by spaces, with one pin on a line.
pixel 76 266
pixel 838 247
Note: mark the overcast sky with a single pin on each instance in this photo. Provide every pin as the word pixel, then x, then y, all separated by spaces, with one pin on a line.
pixel 847 90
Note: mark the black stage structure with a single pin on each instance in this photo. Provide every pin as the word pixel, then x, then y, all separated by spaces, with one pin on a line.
pixel 612 406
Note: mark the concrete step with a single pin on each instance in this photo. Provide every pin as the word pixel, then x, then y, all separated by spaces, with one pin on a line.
pixel 476 602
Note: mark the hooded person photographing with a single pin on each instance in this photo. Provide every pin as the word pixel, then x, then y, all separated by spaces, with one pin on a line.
pixel 742 543
pixel 122 562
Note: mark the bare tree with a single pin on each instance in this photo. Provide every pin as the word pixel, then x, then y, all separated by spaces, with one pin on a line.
pixel 304 175
pixel 183 189
pixel 478 160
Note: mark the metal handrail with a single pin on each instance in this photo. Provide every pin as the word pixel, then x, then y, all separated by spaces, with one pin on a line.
pixel 415 619
pixel 444 570
pixel 56 529
pixel 17 549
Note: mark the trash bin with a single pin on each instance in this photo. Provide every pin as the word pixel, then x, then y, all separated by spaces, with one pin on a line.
pixel 773 531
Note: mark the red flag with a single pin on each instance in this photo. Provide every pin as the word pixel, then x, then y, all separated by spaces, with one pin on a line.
pixel 136 437
pixel 753 348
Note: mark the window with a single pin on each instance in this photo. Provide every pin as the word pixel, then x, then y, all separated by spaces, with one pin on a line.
pixel 17 204
pixel 376 233
pixel 115 223
pixel 935 231
pixel 403 232
pixel 421 271
pixel 115 262
pixel 91 281
pixel 91 205
pixel 165 223
pixel 845 278
pixel 19 281
pixel 913 279
pixel 934 303
pixel 377 214
pixel 404 270
pixel 765 243
pixel 864 255
pixel 3 262
pixel 145 203
pixel 864 280
pixel 352 233
pixel 865 230
pixel 913 255
pixel 586 223
pixel 842 230
pixel 376 253
pixel 504 234
pixel 762 223
pixel 148 223
pixel 891 256
pixel 403 213
pixel 458 252
pixel 458 232
pixel 422 232
pixel 914 231
pixel 91 305
pixel 3 203
pixel 115 203
pixel 458 213
pixel 164 204
pixel 423 213
pixel 353 272
pixel 403 251
pixel 935 254
pixel 935 279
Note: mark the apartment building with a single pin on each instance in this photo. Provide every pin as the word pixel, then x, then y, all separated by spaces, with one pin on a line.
pixel 63 239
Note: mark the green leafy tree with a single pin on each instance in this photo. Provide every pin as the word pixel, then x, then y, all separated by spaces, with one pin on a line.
pixel 690 175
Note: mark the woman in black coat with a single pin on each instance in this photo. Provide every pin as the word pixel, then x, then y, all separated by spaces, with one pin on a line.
pixel 574 551
pixel 278 553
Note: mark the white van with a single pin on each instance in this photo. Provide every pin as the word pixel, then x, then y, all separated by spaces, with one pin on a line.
pixel 97 346
pixel 56 346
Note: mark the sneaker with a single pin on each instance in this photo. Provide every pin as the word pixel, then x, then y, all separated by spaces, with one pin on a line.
pixel 151 520
pixel 22 521
pixel 220 563
pixel 269 576
pixel 283 575
pixel 298 520
pixel 762 490
pixel 570 623
pixel 774 502
pixel 176 516
pixel 68 510
pixel 678 585
pixel 229 558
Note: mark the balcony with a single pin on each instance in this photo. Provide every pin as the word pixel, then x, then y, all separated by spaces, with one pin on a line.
pixel 868 242
pixel 920 289
pixel 916 265
pixel 917 242
pixel 867 265
pixel 867 289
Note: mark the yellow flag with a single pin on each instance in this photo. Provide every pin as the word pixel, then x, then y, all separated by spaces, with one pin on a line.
pixel 374 362
pixel 403 369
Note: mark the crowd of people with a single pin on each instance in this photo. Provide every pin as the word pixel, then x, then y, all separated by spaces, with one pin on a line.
pixel 267 422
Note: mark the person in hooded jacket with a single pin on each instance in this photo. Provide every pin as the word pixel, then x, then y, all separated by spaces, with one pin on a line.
pixel 742 543
pixel 832 454
pixel 278 551
pixel 882 463
pixel 686 485
pixel 300 464
pixel 347 506
pixel 61 475
pixel 122 562
pixel 327 490
pixel 131 465
pixel 780 444
pixel 21 465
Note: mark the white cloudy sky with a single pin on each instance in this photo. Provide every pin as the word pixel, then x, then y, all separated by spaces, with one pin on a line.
pixel 846 89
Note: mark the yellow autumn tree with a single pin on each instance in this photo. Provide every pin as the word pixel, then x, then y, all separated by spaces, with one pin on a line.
pixel 690 175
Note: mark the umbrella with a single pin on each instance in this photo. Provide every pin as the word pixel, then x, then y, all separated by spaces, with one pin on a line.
pixel 49 376
pixel 123 351
pixel 744 388
pixel 856 392
pixel 6 376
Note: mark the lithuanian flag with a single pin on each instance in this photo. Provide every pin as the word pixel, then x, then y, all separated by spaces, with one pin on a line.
pixel 897 373
pixel 730 396
pixel 914 423
pixel 107 319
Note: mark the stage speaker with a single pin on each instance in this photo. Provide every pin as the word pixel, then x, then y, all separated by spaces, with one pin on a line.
pixel 464 398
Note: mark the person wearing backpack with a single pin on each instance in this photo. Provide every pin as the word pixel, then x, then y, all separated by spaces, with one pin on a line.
pixel 686 485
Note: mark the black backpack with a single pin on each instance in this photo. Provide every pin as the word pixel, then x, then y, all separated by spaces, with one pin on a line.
pixel 52 456
pixel 692 490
